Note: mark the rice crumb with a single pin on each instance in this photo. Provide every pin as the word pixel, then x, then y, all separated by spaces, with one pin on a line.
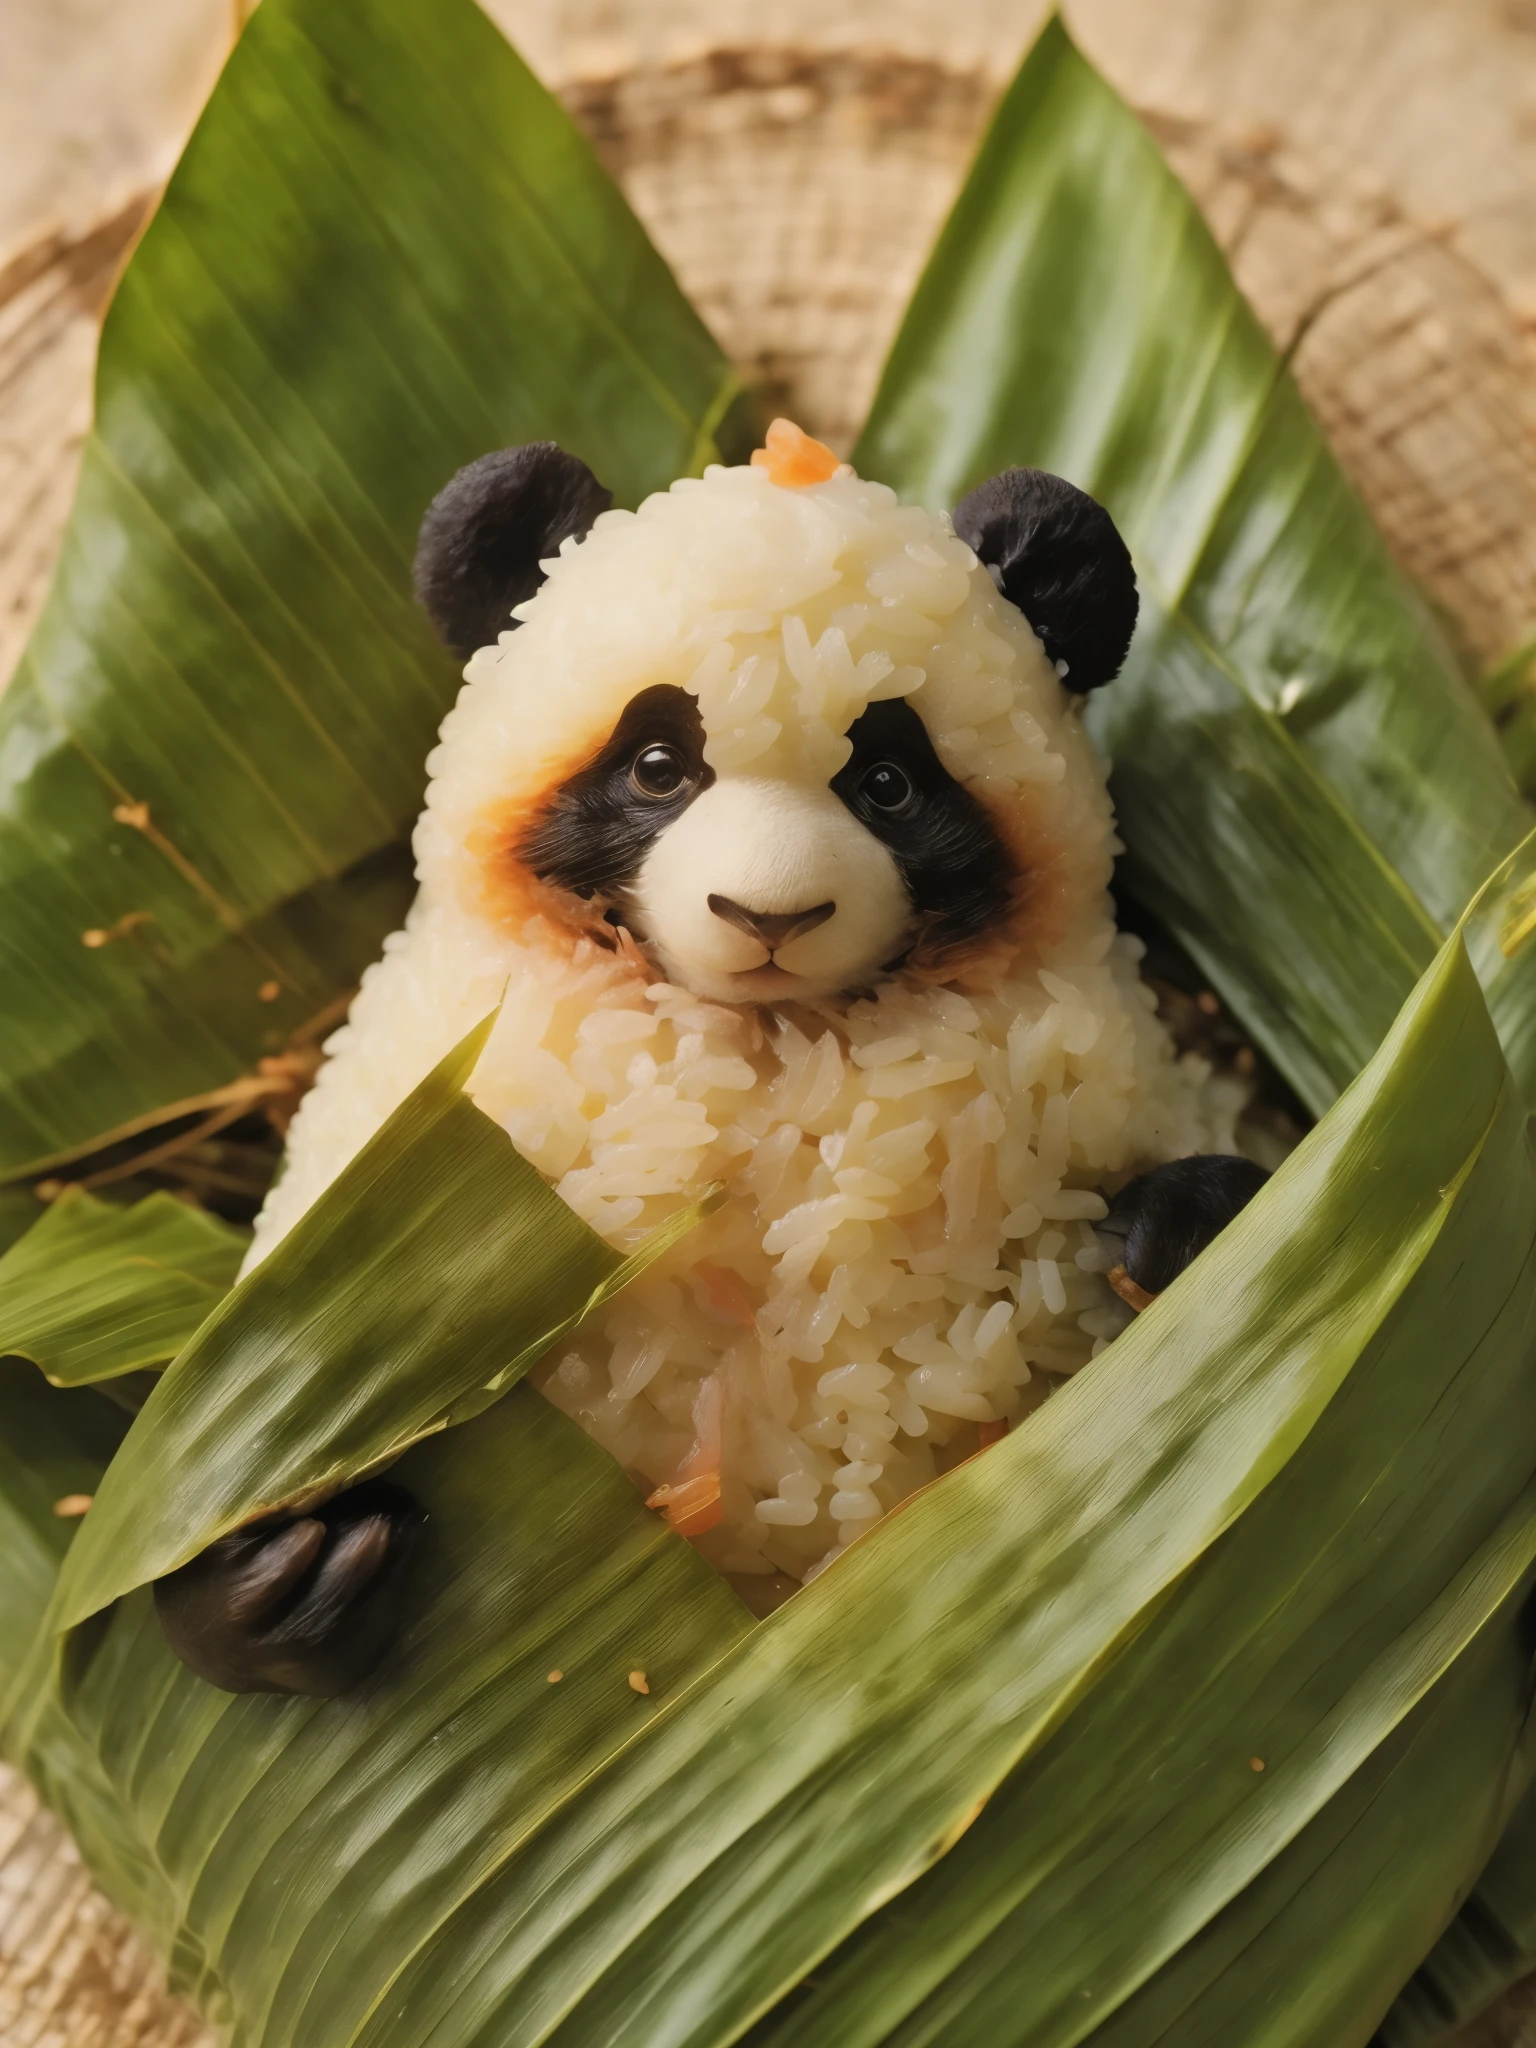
pixel 99 935
pixel 638 1682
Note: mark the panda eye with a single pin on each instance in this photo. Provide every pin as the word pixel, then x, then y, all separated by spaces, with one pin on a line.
pixel 887 787
pixel 658 771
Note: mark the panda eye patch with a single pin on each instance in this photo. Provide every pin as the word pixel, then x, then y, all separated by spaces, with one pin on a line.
pixel 959 877
pixel 658 770
pixel 887 787
pixel 591 834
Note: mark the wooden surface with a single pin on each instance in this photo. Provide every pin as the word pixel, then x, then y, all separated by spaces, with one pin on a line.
pixel 73 1974
pixel 1369 166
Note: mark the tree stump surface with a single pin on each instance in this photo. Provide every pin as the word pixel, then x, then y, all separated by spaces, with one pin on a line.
pixel 1367 165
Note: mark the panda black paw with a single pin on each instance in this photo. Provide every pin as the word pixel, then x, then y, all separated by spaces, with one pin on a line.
pixel 1162 1220
pixel 293 1604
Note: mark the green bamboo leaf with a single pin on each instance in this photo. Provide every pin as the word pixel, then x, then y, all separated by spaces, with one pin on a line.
pixel 1015 1934
pixel 53 1445
pixel 1304 1639
pixel 437 1266
pixel 1501 937
pixel 1487 1947
pixel 697 1865
pixel 19 1210
pixel 297 1852
pixel 840 1750
pixel 385 251
pixel 1313 1951
pixel 94 1290
pixel 1314 1947
pixel 1268 919
pixel 1509 695
pixel 56 1443
pixel 1308 792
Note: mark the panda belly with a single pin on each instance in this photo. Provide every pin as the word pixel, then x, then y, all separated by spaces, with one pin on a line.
pixel 906 1257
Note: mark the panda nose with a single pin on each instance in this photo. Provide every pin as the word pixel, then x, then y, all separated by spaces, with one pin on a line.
pixel 773 927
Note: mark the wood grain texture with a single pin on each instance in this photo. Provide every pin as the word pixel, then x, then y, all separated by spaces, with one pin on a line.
pixel 73 1974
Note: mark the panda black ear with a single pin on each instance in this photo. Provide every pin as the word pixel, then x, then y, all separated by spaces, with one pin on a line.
pixel 1054 552
pixel 486 532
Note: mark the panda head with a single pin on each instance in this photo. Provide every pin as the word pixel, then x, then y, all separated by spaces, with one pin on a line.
pixel 778 729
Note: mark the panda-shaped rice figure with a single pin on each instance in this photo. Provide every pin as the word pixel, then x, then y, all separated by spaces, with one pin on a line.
pixel 768 816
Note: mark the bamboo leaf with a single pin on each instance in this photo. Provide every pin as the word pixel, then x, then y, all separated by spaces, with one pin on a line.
pixel 741 1834
pixel 1313 1945
pixel 1501 929
pixel 1486 1948
pixel 438 1264
pixel 55 1443
pixel 1306 1637
pixel 1257 866
pixel 52 1445
pixel 385 251
pixel 93 1290
pixel 285 1852
pixel 1509 695
pixel 19 1210
pixel 1313 1950
pixel 694 1867
pixel 1308 792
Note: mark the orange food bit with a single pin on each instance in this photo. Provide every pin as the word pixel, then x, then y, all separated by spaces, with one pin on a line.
pixel 1128 1290
pixel 692 1506
pixel 792 458
pixel 725 1293
pixel 692 1502
pixel 993 1432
